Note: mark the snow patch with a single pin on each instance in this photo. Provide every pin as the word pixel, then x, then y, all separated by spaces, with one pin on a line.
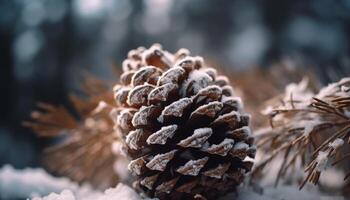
pixel 21 184
pixel 322 159
pixel 337 143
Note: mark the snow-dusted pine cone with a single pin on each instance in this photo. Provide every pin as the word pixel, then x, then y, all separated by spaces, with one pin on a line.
pixel 182 126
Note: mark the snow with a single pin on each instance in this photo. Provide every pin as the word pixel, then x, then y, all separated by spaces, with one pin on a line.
pixel 120 192
pixel 32 183
pixel 64 195
pixel 279 193
pixel 344 88
pixel 308 125
pixel 244 193
pixel 16 184
pixel 334 88
pixel 298 91
pixel 337 143
pixel 322 159
pixel 308 129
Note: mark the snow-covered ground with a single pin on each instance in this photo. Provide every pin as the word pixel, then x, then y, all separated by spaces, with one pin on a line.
pixel 37 184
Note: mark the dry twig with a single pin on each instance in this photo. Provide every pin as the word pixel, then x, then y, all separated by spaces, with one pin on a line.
pixel 85 154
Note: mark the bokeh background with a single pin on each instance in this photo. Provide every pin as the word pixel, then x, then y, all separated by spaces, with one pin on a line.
pixel 46 46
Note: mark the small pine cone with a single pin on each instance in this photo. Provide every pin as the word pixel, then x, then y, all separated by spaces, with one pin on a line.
pixel 182 126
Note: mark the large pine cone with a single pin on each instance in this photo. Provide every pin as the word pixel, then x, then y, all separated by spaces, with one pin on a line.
pixel 182 126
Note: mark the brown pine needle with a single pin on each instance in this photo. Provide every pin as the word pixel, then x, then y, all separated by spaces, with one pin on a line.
pixel 304 127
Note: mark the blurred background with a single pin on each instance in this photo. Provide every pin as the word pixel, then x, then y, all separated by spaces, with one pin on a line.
pixel 46 46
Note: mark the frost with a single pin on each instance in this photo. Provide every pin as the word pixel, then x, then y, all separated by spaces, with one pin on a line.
pixel 221 81
pixel 197 139
pixel 133 138
pixel 221 149
pixel 231 119
pixel 138 95
pixel 145 74
pixel 173 75
pixel 161 136
pixel 211 72
pixel 193 167
pixel 213 91
pixel 241 146
pixel 218 171
pixel 136 165
pixel 233 101
pixel 175 109
pixel 140 117
pixel 244 132
pixel 196 81
pixel 210 109
pixel 227 90
pixel 161 93
pixel 124 118
pixel 145 115
pixel 160 161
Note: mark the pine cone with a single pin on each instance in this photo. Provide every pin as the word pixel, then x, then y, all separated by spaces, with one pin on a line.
pixel 182 126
